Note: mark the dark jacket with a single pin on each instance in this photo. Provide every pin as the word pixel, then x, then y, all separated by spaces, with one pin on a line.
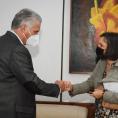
pixel 18 82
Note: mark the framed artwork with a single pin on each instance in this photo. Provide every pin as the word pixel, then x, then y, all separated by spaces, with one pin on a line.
pixel 82 47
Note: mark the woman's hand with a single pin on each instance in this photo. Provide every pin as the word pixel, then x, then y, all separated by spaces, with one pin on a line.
pixel 97 93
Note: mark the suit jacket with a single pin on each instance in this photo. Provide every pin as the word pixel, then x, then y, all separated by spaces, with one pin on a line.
pixel 97 78
pixel 18 82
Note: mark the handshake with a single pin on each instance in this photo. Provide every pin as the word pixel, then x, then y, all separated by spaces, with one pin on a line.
pixel 64 85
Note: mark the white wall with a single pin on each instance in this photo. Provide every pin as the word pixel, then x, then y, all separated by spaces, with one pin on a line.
pixel 47 56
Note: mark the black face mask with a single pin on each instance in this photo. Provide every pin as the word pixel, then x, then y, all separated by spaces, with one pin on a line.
pixel 100 55
pixel 99 52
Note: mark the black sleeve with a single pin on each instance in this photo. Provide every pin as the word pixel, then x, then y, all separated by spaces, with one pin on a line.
pixel 22 68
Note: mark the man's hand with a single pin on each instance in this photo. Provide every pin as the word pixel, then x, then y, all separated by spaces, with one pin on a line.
pixel 64 85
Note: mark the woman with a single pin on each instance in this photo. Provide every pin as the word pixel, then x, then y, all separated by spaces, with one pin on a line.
pixel 106 70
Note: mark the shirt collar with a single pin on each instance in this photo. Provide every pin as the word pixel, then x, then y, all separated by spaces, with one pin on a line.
pixel 17 36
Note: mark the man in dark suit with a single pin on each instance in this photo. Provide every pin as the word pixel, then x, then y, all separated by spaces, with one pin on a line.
pixel 18 82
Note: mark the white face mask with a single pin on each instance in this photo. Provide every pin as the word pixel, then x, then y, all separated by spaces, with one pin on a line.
pixel 33 40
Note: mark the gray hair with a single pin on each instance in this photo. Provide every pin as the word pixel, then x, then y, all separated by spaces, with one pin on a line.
pixel 25 16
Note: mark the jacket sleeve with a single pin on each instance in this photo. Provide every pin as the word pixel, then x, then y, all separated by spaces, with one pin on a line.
pixel 109 96
pixel 21 66
pixel 89 84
